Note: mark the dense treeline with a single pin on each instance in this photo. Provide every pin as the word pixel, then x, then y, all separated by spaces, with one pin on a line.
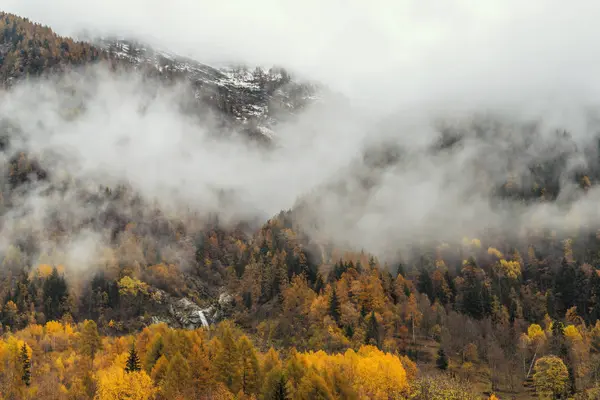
pixel 60 360
pixel 30 49
pixel 491 323
pixel 495 315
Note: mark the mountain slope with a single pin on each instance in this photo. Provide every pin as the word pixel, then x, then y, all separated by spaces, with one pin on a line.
pixel 257 95
pixel 76 246
pixel 255 100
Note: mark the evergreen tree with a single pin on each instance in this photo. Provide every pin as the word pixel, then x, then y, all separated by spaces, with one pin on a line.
pixel 334 306
pixel 25 365
pixel 338 270
pixel 425 285
pixel 349 331
pixel 565 287
pixel 400 270
pixel 474 303
pixel 281 389
pixel 558 342
pixel 373 330
pixel 275 385
pixel 442 360
pixel 450 283
pixel 319 284
pixel 133 361
pixel 55 295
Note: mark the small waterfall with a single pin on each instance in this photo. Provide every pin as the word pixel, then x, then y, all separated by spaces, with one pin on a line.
pixel 203 319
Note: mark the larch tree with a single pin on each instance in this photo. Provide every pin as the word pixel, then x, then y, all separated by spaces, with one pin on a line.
pixel 250 369
pixel 313 387
pixel 91 342
pixel 227 360
pixel 154 352
pixel 160 369
pixel 114 383
pixel 177 379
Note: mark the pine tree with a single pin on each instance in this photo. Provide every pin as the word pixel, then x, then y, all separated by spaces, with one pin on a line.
pixel 442 360
pixel 474 303
pixel 25 365
pixel 133 361
pixel 425 284
pixel 281 389
pixel 319 283
pixel 373 330
pixel 400 270
pixel 275 385
pixel 55 295
pixel 334 306
pixel 558 342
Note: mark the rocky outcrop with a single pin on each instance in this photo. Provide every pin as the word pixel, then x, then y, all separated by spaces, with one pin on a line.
pixel 184 313
pixel 256 99
pixel 189 315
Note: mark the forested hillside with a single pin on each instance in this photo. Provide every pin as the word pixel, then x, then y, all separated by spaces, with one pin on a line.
pixel 30 49
pixel 511 313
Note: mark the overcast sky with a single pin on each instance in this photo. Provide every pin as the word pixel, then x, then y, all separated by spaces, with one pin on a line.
pixel 405 50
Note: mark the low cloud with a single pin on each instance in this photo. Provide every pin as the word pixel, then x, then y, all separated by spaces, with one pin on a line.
pixel 406 68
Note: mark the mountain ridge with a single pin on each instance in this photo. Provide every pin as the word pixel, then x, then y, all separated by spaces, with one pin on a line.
pixel 255 100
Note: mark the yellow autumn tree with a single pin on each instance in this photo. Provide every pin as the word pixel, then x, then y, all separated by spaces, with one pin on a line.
pixel 177 378
pixel 160 369
pixel 495 252
pixel 249 367
pixel 115 384
pixel 370 372
pixel 379 375
pixel 550 377
pixel 508 269
pixel 595 336
pixel 536 334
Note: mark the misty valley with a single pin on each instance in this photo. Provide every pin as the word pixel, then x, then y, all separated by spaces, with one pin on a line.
pixel 172 228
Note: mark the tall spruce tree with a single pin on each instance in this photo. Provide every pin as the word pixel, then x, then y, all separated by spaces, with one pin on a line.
pixel 373 333
pixel 25 365
pixel 133 361
pixel 281 392
pixel 334 305
pixel 55 295
pixel 319 283
pixel 442 360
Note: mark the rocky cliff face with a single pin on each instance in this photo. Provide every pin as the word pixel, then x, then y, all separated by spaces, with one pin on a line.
pixel 256 99
pixel 184 313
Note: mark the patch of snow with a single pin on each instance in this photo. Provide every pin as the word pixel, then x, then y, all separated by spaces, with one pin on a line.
pixel 266 131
